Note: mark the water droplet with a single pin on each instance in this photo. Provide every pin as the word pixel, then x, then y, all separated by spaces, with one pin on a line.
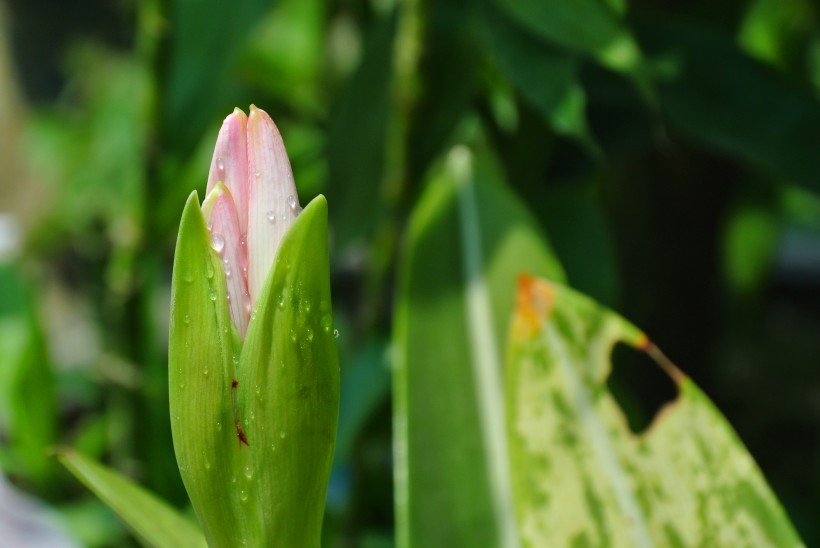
pixel 273 447
pixel 218 426
pixel 281 435
pixel 243 495
pixel 212 294
pixel 324 306
pixel 248 472
pixel 233 479
pixel 205 371
pixel 207 465
pixel 292 203
pixel 187 319
pixel 327 323
pixel 293 335
pixel 307 306
pixel 247 307
pixel 228 275
pixel 258 390
pixel 235 359
pixel 188 277
pixel 271 216
pixel 335 333
pixel 217 242
pixel 220 164
pixel 181 385
pixel 280 302
pixel 309 334
pixel 209 270
pixel 258 174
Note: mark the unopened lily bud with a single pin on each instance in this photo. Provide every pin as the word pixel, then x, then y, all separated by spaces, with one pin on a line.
pixel 253 367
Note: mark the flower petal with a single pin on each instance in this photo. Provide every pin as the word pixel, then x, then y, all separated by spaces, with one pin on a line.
pixel 221 215
pixel 230 163
pixel 272 200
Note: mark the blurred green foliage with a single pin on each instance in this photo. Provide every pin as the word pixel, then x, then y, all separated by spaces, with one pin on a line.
pixel 666 149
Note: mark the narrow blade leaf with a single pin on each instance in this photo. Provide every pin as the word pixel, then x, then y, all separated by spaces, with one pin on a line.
pixel 153 521
pixel 452 483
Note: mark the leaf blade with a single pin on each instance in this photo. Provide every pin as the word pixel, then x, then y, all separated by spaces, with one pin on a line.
pixel 569 442
pixel 151 519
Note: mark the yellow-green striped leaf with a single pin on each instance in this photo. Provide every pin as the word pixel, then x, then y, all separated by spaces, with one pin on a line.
pixel 581 477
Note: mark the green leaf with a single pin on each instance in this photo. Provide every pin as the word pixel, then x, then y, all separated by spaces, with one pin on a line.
pixel 545 76
pixel 28 414
pixel 716 96
pixel 585 26
pixel 152 520
pixel 289 393
pixel 200 371
pixel 254 425
pixel 203 48
pixel 357 135
pixel 581 477
pixel 468 240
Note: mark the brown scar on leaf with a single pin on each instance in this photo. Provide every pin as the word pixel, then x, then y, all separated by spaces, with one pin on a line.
pixel 240 433
pixel 533 304
pixel 660 358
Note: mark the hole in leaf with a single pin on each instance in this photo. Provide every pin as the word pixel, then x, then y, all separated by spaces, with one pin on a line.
pixel 639 385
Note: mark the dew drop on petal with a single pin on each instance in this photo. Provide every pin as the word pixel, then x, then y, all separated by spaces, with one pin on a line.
pixel 292 203
pixel 217 242
pixel 271 216
pixel 220 164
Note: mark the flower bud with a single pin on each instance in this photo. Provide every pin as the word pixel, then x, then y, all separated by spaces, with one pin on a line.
pixel 253 367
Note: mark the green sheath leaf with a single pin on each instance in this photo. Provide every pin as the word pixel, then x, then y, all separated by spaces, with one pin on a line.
pixel 452 485
pixel 200 362
pixel 581 477
pixel 151 519
pixel 288 396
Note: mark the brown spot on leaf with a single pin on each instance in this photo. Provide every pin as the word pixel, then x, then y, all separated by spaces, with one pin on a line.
pixel 533 305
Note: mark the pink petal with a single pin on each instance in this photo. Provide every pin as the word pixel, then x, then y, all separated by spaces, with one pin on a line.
pixel 272 200
pixel 230 163
pixel 221 215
